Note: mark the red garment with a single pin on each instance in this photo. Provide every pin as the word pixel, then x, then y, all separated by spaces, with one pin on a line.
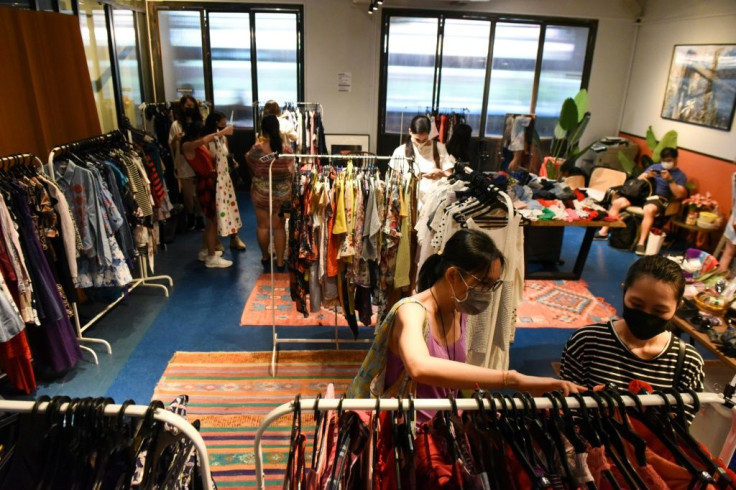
pixel 547 203
pixel 384 466
pixel 15 360
pixel 202 162
pixel 433 463
pixel 443 128
pixel 332 241
pixel 598 464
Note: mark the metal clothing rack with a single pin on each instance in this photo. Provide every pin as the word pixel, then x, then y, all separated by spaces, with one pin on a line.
pixel 275 337
pixel 143 280
pixel 392 404
pixel 137 411
pixel 257 111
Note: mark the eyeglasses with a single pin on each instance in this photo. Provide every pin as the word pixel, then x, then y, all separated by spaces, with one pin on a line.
pixel 485 286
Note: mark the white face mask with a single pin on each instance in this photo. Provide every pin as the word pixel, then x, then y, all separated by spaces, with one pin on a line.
pixel 668 165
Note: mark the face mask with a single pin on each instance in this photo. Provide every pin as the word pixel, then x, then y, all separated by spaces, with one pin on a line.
pixel 642 325
pixel 475 301
pixel 191 111
pixel 668 165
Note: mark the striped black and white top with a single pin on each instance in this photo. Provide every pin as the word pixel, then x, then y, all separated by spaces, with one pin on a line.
pixel 595 355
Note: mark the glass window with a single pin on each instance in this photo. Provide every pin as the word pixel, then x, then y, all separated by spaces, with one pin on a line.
pixel 512 73
pixel 464 56
pixel 232 83
pixel 126 45
pixel 276 55
pixel 181 53
pixel 411 59
pixel 94 37
pixel 563 60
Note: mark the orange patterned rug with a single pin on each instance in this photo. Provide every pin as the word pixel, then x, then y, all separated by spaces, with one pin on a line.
pixel 231 392
pixel 561 304
pixel 258 308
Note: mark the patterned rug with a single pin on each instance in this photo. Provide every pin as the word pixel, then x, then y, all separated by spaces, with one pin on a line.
pixel 230 392
pixel 561 304
pixel 257 309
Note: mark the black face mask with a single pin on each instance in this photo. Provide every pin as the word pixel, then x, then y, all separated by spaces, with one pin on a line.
pixel 642 325
pixel 191 112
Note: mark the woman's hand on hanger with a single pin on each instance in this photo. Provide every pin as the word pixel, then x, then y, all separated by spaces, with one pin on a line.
pixel 228 131
pixel 537 385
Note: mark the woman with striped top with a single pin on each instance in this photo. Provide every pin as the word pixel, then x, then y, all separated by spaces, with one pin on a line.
pixel 640 346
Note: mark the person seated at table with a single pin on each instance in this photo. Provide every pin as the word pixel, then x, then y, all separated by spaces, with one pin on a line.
pixel 641 345
pixel 668 183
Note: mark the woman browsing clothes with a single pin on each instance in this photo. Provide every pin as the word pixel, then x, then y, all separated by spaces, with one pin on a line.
pixel 640 346
pixel 422 338
pixel 194 148
pixel 226 203
pixel 264 154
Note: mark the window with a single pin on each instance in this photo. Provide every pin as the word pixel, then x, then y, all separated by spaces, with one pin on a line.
pixel 489 65
pixel 411 61
pixel 218 64
pixel 561 77
pixel 512 73
pixel 94 36
pixel 126 47
pixel 232 83
pixel 464 57
pixel 181 53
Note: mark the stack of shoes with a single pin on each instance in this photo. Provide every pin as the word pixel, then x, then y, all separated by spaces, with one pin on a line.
pixel 202 255
pixel 217 262
pixel 236 243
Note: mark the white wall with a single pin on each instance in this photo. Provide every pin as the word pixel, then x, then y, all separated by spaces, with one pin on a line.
pixel 341 36
pixel 666 23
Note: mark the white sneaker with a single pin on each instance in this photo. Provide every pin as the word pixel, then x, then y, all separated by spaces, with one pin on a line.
pixel 217 262
pixel 202 255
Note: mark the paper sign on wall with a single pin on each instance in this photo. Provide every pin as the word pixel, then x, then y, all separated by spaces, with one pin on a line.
pixel 345 81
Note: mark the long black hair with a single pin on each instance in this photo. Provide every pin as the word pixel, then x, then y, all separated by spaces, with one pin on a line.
pixel 459 144
pixel 470 251
pixel 182 115
pixel 210 124
pixel 658 268
pixel 420 124
pixel 270 127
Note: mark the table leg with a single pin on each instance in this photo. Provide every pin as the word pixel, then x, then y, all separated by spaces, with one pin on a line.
pixel 577 270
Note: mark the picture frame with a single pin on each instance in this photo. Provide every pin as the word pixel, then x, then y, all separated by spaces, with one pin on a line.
pixel 701 87
pixel 345 144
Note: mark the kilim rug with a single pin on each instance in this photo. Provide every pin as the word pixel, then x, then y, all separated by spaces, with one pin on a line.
pixel 561 304
pixel 231 392
pixel 258 308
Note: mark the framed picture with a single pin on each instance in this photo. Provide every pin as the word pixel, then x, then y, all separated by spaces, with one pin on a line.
pixel 701 88
pixel 345 144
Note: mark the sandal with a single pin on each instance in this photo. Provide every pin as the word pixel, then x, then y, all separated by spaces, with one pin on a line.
pixel 598 236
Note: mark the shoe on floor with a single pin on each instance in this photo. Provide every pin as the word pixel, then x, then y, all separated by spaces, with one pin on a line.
pixel 202 255
pixel 598 236
pixel 217 262
pixel 266 266
pixel 236 243
pixel 640 250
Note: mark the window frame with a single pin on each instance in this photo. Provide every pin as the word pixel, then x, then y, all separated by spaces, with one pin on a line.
pixel 387 141
pixel 205 8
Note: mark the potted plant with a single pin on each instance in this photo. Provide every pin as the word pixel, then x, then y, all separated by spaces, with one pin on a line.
pixel 668 140
pixel 574 117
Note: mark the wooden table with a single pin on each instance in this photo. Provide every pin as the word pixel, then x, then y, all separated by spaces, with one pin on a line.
pixel 704 236
pixel 695 335
pixel 577 269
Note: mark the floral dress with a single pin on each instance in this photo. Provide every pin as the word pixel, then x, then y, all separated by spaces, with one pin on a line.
pixel 228 215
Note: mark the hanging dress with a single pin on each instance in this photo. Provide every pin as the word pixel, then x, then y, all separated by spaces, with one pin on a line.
pixel 226 203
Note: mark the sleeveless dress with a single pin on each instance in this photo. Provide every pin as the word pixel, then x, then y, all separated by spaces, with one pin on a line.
pixel 226 203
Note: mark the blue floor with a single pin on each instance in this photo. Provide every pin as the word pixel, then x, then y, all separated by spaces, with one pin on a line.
pixel 203 313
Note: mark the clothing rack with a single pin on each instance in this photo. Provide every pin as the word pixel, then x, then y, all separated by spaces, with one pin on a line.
pixel 317 106
pixel 275 338
pixel 137 411
pixel 392 404
pixel 143 280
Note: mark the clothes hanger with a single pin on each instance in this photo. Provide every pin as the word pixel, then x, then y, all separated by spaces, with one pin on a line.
pixel 296 423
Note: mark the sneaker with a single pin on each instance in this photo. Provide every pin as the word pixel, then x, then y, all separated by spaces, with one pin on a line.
pixel 217 262
pixel 202 255
pixel 236 243
pixel 640 250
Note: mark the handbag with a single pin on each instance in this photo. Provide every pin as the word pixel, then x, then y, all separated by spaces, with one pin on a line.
pixel 635 190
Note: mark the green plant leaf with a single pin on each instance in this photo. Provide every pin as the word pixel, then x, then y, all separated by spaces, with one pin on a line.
pixel 651 139
pixel 581 101
pixel 627 164
pixel 569 114
pixel 559 132
pixel 669 140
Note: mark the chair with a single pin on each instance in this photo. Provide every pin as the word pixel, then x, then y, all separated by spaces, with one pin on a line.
pixel 575 181
pixel 602 179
